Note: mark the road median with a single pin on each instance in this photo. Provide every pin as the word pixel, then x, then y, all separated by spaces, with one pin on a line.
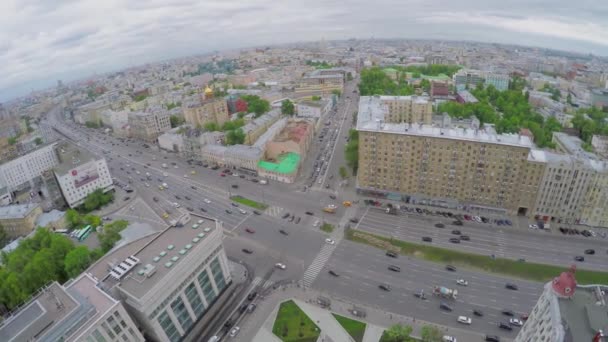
pixel 501 266
pixel 248 202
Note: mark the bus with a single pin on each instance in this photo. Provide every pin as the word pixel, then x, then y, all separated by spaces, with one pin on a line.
pixel 84 233
pixel 61 231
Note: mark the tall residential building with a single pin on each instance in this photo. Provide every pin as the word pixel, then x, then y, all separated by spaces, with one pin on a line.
pixel 148 126
pixel 79 174
pixel 77 311
pixel 204 110
pixel 17 173
pixel 19 220
pixel 169 281
pixel 568 312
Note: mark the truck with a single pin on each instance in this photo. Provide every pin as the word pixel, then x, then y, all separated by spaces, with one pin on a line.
pixel 164 165
pixel 331 208
pixel 445 292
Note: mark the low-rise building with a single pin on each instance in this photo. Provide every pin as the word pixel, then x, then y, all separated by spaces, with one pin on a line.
pixel 439 89
pixel 19 219
pixel 567 311
pixel 77 311
pixel 467 78
pixel 256 128
pixel 295 137
pixel 600 144
pixel 599 98
pixel 21 172
pixel 321 82
pixel 313 109
pixel 79 174
pixel 283 169
pixel 464 96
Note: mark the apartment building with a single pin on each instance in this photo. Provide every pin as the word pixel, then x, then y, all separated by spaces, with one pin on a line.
pixel 567 312
pixel 399 109
pixel 75 312
pixel 79 174
pixel 169 281
pixel 200 111
pixel 19 220
pixel 148 126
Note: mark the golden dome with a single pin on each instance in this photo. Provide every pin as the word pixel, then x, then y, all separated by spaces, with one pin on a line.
pixel 208 91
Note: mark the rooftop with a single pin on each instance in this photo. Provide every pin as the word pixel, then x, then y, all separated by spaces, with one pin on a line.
pixel 287 164
pixel 585 313
pixel 162 252
pixel 70 157
pixel 371 119
pixel 17 211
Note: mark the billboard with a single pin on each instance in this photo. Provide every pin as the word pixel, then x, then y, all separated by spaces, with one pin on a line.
pixel 84 174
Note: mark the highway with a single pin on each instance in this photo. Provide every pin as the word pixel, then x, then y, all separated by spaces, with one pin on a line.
pixel 487 239
pixel 363 268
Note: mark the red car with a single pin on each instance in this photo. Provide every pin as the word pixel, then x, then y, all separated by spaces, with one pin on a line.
pixel 524 317
pixel 223 174
pixel 249 230
pixel 467 217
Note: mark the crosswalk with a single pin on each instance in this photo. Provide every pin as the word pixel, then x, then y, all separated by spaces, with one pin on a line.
pixel 500 241
pixel 257 281
pixel 317 265
pixel 273 211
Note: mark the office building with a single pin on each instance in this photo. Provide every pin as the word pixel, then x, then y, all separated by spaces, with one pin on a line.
pixel 79 174
pixel 168 281
pixel 20 219
pixel 21 173
pixel 499 81
pixel 78 311
pixel 147 126
pixel 321 83
pixel 469 79
pixel 567 312
pixel 200 111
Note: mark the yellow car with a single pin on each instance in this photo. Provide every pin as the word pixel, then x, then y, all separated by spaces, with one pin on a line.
pixel 160 187
pixel 193 172
pixel 165 215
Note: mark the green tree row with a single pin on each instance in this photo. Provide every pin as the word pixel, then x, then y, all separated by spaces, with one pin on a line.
pixel 256 104
pixel 351 151
pixel 590 121
pixel 96 200
pixel 402 333
pixel 374 81
pixel 430 70
pixel 319 64
pixel 227 126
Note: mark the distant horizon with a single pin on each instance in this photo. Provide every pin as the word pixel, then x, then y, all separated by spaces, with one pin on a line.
pixel 79 78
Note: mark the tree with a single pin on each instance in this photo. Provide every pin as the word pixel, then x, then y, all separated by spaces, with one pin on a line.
pixel 93 220
pixel 95 200
pixel 256 105
pixel 4 238
pixel 38 141
pixel 429 333
pixel 111 234
pixel 351 151
pixel 336 92
pixel 77 260
pixel 343 172
pixel 235 137
pixel 287 107
pixel 12 140
pixel 569 98
pixel 349 76
pixel 425 85
pixel 241 115
pixel 398 333
pixel 211 127
pixel 176 121
pixel 316 98
pixel 73 218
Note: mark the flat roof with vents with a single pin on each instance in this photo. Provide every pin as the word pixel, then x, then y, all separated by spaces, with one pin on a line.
pixel 157 255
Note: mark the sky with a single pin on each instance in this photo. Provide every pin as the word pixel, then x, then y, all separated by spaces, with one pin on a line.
pixel 42 41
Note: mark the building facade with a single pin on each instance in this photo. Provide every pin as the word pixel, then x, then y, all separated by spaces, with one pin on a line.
pixel 398 109
pixel 201 112
pixel 313 109
pixel 148 126
pixel 17 173
pixel 320 83
pixel 19 220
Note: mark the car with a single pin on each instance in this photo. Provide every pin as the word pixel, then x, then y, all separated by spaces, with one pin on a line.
pixel 516 322
pixel 330 241
pixel 298 220
pixel 507 312
pixel 439 225
pixel 394 268
pixel 478 313
pixel 250 230
pixel 280 266
pixel 222 175
pixel 590 251
pixel 445 306
pixel 228 211
pixel 391 254
pixel 333 273
pixel 505 326
pixel 177 197
pixel 456 232
pixel 244 212
pixel 187 198
pixel 465 238
pixel 126 198
pixel 155 199
pixel 450 268
pixel 533 226
pixel 243 308
pixel 511 286
pixel 354 220
pixel 464 320
pixel 234 205
pixel 579 258
pixel 251 308
pixel 283 231
pixel 462 282
pixel 189 209
pixel 457 223
pixel 257 212
pixel 447 338
pixel 234 186
pixel 203 209
pixel 309 213
pixel 234 331
pixel 492 338
pixel 252 295
pixel 247 251
pixel 385 287
pixel 286 215
pixel 454 240
pixel 333 197
pixel 427 239
pixel 206 201
pixel 292 218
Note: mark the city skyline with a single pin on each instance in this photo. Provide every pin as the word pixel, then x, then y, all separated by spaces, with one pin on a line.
pixel 42 42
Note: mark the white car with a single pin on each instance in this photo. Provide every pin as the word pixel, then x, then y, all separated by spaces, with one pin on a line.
pixel 175 204
pixel 165 174
pixel 175 167
pixel 234 331
pixel 185 176
pixel 462 282
pixel 317 223
pixel 464 320
pixel 244 212
pixel 330 241
pixel 206 201
pixel 147 185
pixel 235 174
pixel 515 321
pixel 279 265
pixel 447 338
pixel 533 226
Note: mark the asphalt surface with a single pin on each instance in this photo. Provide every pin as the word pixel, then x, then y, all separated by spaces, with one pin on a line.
pixel 363 268
pixel 487 239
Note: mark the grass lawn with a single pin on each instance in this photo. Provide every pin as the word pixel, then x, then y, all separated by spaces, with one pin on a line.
pixel 248 202
pixel 385 339
pixel 354 328
pixel 326 227
pixel 523 270
pixel 292 324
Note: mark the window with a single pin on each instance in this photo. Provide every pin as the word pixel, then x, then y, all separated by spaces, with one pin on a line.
pixel 168 327
pixel 218 275
pixel 195 300
pixel 206 286
pixel 98 336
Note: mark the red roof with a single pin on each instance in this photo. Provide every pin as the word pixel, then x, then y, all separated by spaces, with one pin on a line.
pixel 565 284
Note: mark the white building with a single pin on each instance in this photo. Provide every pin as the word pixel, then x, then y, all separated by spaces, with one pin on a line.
pixel 567 312
pixel 16 173
pixel 79 174
pixel 169 281
pixel 77 311
pixel 314 109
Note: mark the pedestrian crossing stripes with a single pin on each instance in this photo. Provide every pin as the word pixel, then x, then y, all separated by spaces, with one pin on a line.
pixel 255 282
pixel 273 211
pixel 317 265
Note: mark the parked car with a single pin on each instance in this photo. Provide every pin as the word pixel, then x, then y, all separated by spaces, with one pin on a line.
pixel 247 251
pixel 385 287
pixel 391 254
pixel 465 320
pixel 450 268
pixel 511 286
pixel 394 268
pixel 427 239
pixel 492 338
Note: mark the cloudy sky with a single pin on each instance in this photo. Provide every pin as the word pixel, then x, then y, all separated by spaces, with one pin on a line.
pixel 45 40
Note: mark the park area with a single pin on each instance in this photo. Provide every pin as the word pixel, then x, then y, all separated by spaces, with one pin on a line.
pixel 354 328
pixel 293 325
